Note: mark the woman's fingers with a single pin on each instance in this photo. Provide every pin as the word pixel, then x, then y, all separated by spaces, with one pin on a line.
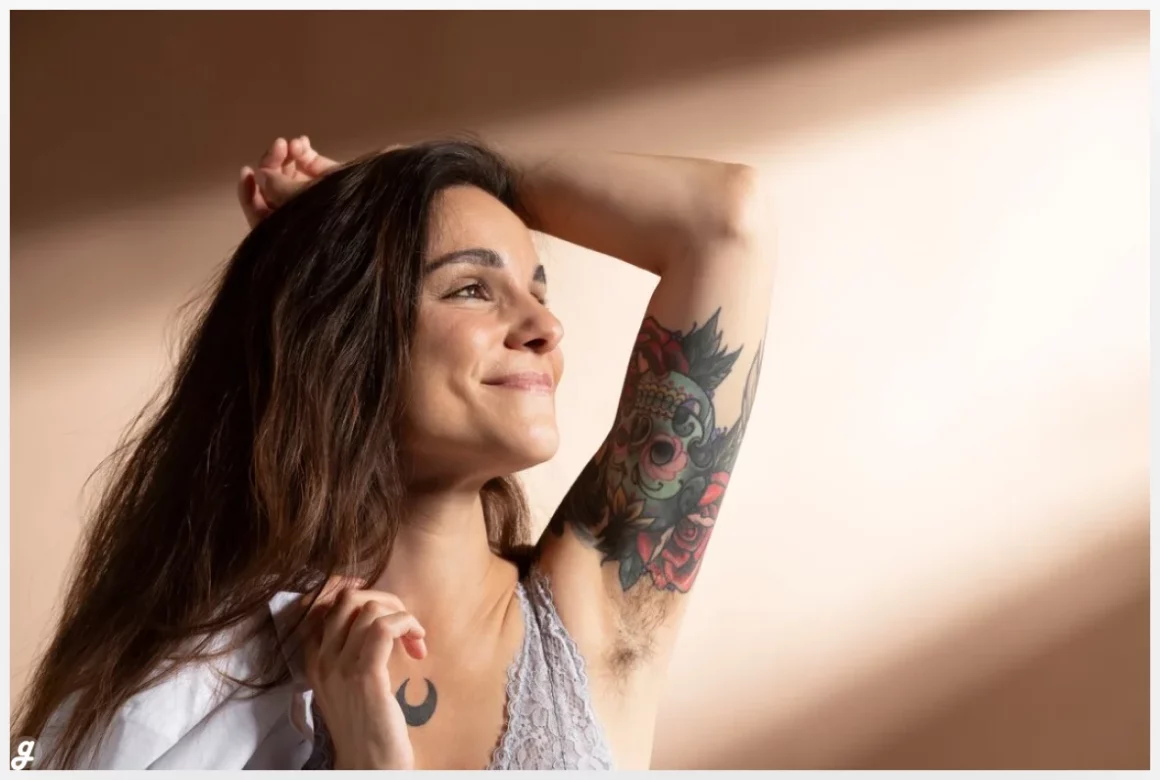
pixel 283 171
pixel 415 647
pixel 308 160
pixel 336 625
pixel 314 621
pixel 340 618
pixel 275 156
pixel 276 187
pixel 367 632
pixel 245 189
pixel 366 615
pixel 372 649
pixel 254 205
pixel 281 160
pixel 278 159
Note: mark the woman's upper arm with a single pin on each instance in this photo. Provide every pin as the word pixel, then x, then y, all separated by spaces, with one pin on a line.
pixel 625 545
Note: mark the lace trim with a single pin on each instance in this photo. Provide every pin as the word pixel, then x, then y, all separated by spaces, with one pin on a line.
pixel 514 678
pixel 552 724
pixel 543 585
pixel 601 752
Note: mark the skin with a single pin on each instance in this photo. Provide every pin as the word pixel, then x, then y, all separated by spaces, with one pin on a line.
pixel 625 546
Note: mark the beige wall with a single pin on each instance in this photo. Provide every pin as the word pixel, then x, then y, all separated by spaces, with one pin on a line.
pixel 935 550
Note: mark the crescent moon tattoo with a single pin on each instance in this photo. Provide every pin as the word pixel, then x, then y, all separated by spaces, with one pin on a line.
pixel 420 714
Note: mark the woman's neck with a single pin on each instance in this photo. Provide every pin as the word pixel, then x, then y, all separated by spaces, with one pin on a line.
pixel 442 567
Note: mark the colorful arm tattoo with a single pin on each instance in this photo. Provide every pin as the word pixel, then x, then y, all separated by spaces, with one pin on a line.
pixel 648 500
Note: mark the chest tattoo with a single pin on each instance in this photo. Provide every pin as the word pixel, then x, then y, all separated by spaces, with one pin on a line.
pixel 419 714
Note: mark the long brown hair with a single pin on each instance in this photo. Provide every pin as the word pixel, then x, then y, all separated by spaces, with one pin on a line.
pixel 273 460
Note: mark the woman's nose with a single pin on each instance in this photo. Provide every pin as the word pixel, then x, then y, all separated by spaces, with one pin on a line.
pixel 540 331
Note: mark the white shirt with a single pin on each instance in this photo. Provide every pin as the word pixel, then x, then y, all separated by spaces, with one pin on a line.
pixel 191 721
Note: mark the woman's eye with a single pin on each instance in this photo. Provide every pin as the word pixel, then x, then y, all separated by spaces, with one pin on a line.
pixel 470 291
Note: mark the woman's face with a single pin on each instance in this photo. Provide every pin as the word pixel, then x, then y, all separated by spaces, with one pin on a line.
pixel 486 356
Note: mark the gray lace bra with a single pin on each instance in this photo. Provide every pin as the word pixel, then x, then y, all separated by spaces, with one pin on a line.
pixel 549 723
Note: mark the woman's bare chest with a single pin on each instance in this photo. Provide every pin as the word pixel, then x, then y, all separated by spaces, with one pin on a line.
pixel 455 704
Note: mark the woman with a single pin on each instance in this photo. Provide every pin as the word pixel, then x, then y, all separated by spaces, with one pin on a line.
pixel 324 502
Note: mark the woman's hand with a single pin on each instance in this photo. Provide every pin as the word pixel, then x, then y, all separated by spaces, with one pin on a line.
pixel 284 170
pixel 350 641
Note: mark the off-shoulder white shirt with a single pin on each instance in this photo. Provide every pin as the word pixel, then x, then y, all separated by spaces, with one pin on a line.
pixel 193 720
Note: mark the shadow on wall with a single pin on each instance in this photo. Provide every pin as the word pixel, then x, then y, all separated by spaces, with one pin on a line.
pixel 1077 705
pixel 146 104
pixel 1077 701
pixel 175 102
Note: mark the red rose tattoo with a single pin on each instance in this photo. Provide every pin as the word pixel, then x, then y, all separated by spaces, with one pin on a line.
pixel 679 559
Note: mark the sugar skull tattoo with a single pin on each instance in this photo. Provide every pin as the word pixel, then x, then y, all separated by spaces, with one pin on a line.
pixel 648 500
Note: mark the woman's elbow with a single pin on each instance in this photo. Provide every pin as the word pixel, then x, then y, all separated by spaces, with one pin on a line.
pixel 738 212
pixel 745 208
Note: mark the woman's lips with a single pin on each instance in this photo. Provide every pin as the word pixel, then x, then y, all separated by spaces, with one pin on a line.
pixel 531 381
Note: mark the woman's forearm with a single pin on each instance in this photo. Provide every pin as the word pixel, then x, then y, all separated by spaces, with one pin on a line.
pixel 650 211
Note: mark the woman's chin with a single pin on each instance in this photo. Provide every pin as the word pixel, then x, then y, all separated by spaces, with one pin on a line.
pixel 533 449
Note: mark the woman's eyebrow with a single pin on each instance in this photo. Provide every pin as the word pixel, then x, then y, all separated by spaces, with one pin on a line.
pixel 478 256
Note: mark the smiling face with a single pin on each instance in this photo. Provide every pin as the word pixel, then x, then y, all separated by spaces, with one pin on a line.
pixel 485 359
